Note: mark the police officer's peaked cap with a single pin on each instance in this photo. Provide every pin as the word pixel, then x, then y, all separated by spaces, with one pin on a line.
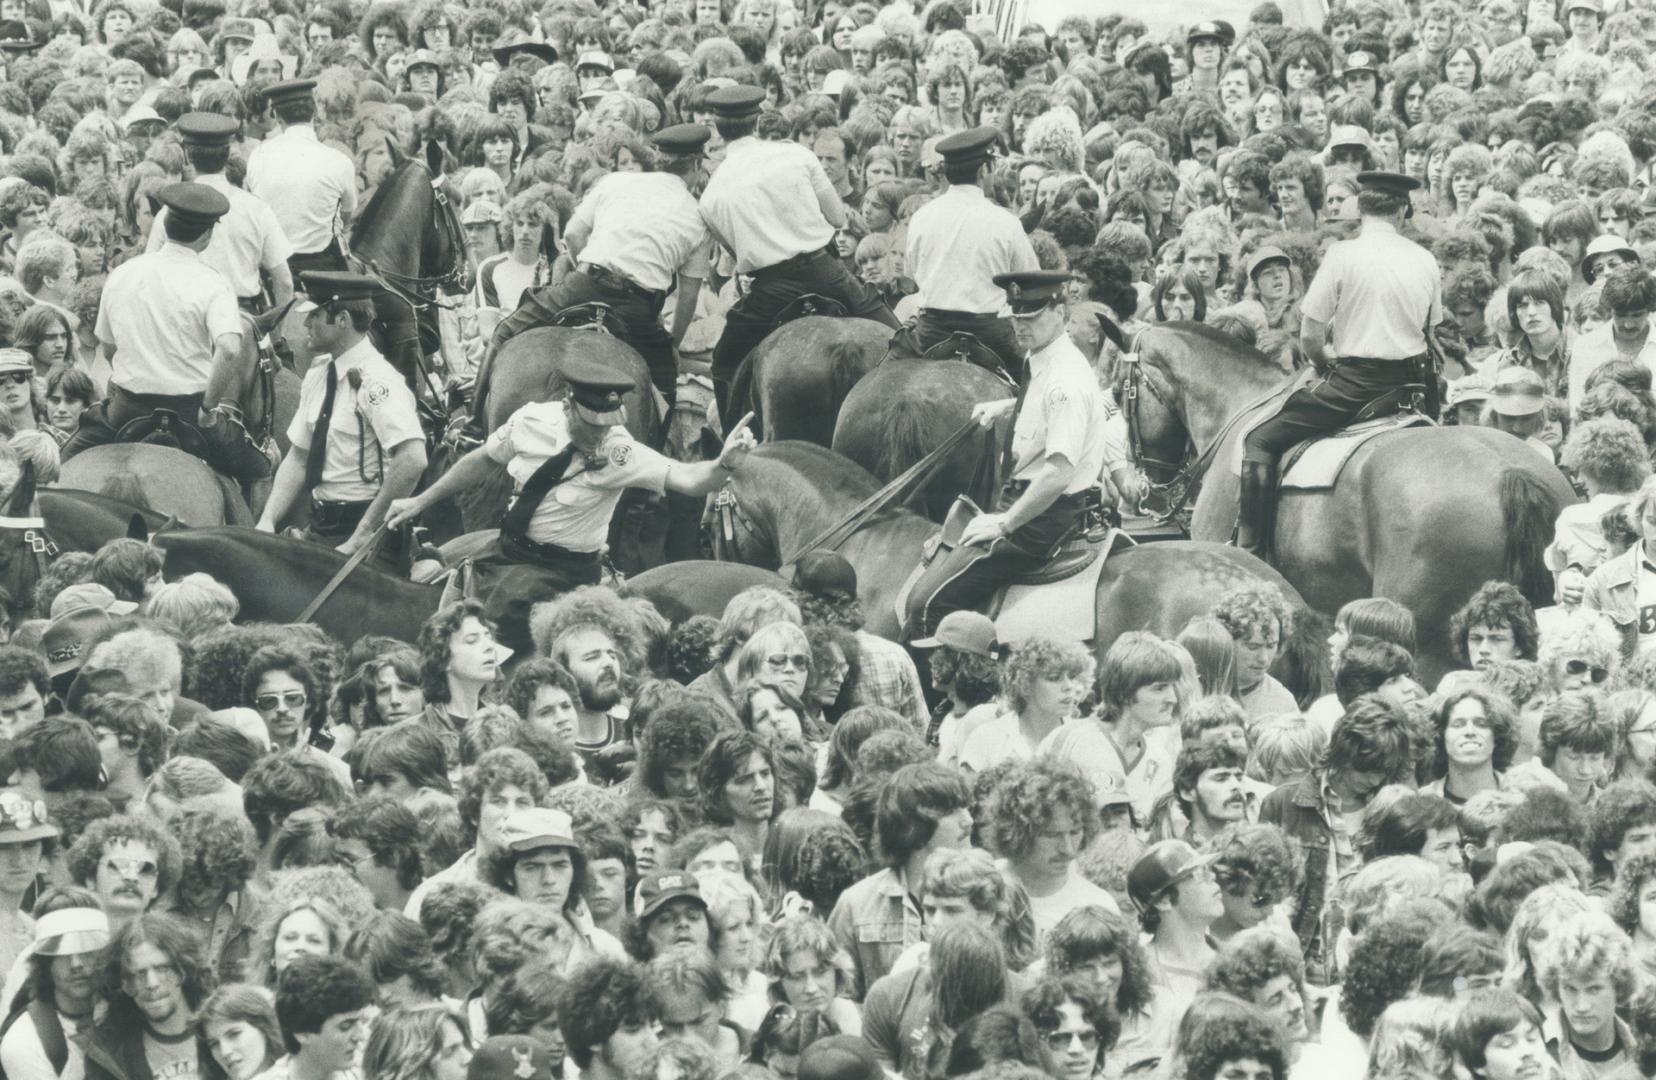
pixel 291 90
pixel 736 102
pixel 196 203
pixel 973 145
pixel 597 391
pixel 1390 182
pixel 1031 290
pixel 327 286
pixel 207 129
pixel 1212 30
pixel 683 139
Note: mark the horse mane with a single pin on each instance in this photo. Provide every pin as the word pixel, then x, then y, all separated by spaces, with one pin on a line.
pixel 382 194
pixel 844 366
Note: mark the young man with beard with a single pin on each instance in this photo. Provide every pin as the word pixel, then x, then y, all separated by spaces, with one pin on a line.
pixel 37 1038
pixel 127 862
pixel 1208 794
pixel 322 1003
pixel 154 977
pixel 609 1014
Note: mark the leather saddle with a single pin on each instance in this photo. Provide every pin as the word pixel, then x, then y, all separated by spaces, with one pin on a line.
pixel 164 427
pixel 960 345
pixel 592 315
pixel 1402 398
pixel 810 304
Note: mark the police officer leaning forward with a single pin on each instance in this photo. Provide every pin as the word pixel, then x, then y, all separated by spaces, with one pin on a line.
pixel 570 461
pixel 1058 444
pixel 355 440
pixel 173 335
pixel 248 238
pixel 631 236
pixel 1378 292
pixel 773 206
pixel 957 243
pixel 310 186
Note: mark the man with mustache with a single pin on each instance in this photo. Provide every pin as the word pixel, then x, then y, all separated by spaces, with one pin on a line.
pixel 127 862
pixel 159 978
pixel 1208 792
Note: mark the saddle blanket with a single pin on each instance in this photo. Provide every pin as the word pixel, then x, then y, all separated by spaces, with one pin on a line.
pixel 1065 610
pixel 1316 464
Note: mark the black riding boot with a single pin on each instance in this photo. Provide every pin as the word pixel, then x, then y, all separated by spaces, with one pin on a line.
pixel 1256 506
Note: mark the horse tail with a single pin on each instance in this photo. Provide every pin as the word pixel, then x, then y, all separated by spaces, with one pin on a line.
pixel 902 438
pixel 1528 510
pixel 126 487
pixel 844 367
pixel 1305 657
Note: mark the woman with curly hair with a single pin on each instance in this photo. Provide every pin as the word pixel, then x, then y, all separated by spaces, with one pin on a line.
pixel 1528 957
pixel 426 1042
pixel 1041 816
pixel 736 782
pixel 1042 683
pixel 237 1034
pixel 306 926
pixel 1223 1037
pixel 807 969
pixel 459 661
pixel 1257 867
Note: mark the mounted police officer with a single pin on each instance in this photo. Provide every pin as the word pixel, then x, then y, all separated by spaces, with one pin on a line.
pixel 570 461
pixel 355 440
pixel 1058 450
pixel 1376 296
pixel 173 335
pixel 957 243
pixel 632 236
pixel 248 238
pixel 774 207
pixel 311 187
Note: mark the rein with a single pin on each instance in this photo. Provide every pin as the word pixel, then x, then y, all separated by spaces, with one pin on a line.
pixel 356 560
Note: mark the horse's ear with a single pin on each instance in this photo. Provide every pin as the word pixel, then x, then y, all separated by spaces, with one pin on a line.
pixel 137 529
pixel 271 319
pixel 397 156
pixel 1112 331
pixel 434 158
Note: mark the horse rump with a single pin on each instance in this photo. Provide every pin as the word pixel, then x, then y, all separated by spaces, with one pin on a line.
pixel 1528 512
pixel 127 487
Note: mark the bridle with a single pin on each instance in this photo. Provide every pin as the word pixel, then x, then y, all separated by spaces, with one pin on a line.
pixel 727 517
pixel 421 291
pixel 1174 492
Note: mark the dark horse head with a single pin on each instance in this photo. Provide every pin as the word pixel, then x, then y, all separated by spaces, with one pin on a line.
pixel 409 236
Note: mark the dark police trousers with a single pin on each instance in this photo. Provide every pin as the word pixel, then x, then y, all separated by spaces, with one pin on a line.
pixel 773 288
pixel 1024 551
pixel 638 309
pixel 519 573
pixel 102 424
pixel 329 258
pixel 935 325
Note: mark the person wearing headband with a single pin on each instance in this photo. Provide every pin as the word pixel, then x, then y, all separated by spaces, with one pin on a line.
pixel 50 989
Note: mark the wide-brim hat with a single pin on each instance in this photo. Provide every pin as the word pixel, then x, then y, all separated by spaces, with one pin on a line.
pixel 67 638
pixel 264 47
pixel 15 36
pixel 517 40
pixel 1604 245
pixel 23 820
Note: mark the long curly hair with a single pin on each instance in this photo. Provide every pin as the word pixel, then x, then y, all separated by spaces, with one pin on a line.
pixel 1091 933
pixel 1024 801
pixel 217 853
pixel 433 643
pixel 184 949
pixel 1384 960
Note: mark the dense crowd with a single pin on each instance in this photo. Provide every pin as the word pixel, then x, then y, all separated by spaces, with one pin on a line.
pixel 763 845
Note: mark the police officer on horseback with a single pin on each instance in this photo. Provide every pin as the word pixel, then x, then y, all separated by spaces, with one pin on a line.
pixel 1377 295
pixel 1057 452
pixel 355 441
pixel 958 243
pixel 570 461
pixel 774 207
pixel 248 238
pixel 310 186
pixel 173 334
pixel 631 237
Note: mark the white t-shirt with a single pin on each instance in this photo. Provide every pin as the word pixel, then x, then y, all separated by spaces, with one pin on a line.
pixel 22 1057
pixel 955 730
pixel 1647 605
pixel 1077 892
pixel 999 740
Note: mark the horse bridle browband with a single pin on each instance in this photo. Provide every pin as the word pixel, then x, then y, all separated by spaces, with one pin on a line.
pixel 418 291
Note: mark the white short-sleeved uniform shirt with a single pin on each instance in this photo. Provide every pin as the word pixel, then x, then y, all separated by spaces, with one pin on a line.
pixel 163 311
pixel 1379 290
pixel 645 227
pixel 306 183
pixel 575 514
pixel 369 421
pixel 245 240
pixel 1062 413
pixel 764 202
pixel 957 243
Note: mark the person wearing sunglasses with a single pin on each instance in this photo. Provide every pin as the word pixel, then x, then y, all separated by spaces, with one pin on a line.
pixel 1076 1023
pixel 1578 736
pixel 783 1036
pixel 127 862
pixel 1257 868
pixel 282 686
pixel 780 654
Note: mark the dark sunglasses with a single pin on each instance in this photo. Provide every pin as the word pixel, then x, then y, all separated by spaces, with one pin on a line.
pixel 293 699
pixel 1581 667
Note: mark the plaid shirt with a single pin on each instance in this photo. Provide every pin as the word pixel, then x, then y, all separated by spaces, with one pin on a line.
pixel 886 676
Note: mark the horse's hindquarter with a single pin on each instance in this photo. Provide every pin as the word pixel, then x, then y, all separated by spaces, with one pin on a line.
pixel 529 368
pixel 1160 587
pixel 803 370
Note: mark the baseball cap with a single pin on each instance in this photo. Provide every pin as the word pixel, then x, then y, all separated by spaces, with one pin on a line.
pixel 839 1057
pixel 968 631
pixel 537 827
pixel 1160 868
pixel 657 889
pixel 1518 391
pixel 482 212
pixel 1468 388
pixel 90 595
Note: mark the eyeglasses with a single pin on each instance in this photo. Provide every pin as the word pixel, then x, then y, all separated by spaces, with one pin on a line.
pixel 1059 1041
pixel 293 699
pixel 786 660
pixel 129 867
pixel 17 377
pixel 1581 667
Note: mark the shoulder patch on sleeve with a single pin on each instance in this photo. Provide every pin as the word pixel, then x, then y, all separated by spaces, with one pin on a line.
pixel 378 393
pixel 1057 397
pixel 621 453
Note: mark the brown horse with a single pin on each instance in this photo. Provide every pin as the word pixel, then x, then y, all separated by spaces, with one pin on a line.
pixel 796 379
pixel 904 408
pixel 788 493
pixel 1422 516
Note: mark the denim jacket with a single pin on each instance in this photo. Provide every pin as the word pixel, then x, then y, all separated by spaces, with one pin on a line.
pixel 875 920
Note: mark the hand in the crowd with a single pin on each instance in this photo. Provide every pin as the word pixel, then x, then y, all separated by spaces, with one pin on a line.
pixel 1572 586
pixel 401 511
pixel 738 443
pixel 989 413
pixel 984 529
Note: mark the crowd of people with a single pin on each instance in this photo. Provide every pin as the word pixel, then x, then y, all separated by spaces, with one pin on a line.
pixel 770 844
